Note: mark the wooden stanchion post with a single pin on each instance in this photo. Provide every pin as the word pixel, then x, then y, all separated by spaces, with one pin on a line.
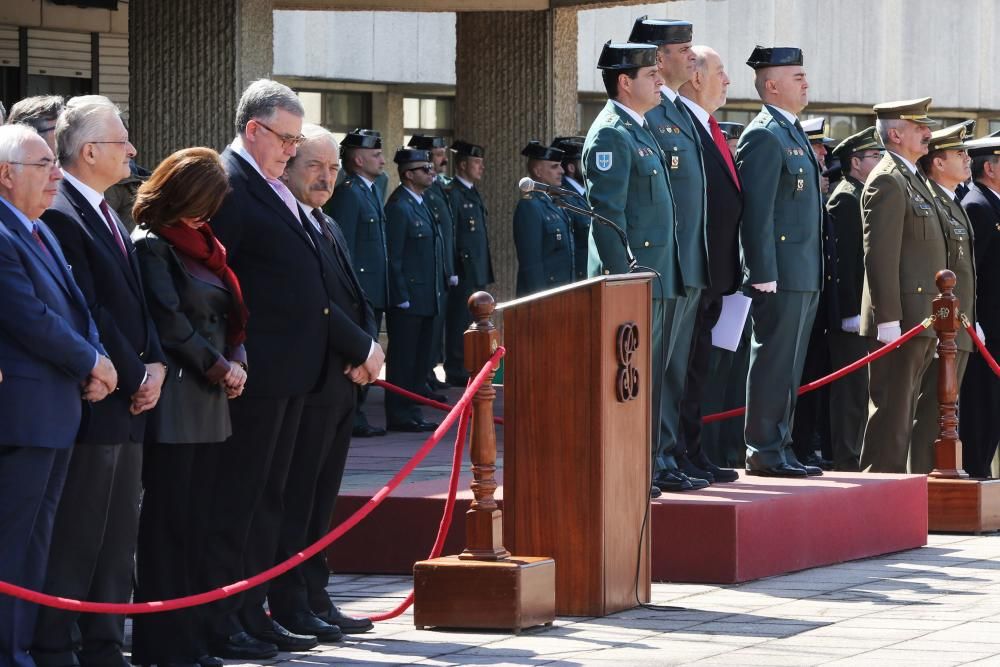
pixel 948 446
pixel 484 586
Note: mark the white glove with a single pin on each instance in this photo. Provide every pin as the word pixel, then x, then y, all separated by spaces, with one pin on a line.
pixel 452 280
pixel 979 332
pixel 851 324
pixel 404 305
pixel 888 332
pixel 766 287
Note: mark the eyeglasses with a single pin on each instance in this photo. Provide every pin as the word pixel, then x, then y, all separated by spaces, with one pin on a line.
pixel 872 156
pixel 287 140
pixel 427 169
pixel 45 163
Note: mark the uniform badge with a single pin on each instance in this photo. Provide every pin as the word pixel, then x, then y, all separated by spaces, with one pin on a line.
pixel 800 184
pixel 675 161
pixel 676 129
pixel 603 160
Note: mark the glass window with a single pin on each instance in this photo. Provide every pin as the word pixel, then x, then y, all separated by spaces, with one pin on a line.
pixel 313 104
pixel 994 126
pixel 338 111
pixel 428 115
pixel 586 112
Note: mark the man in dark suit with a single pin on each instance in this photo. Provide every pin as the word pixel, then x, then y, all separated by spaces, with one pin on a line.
pixel 50 348
pixel 783 260
pixel 703 94
pixel 293 332
pixel 298 599
pixel 357 207
pixel 93 542
pixel 980 420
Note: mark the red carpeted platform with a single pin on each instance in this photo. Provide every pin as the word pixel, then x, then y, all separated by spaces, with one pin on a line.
pixel 753 528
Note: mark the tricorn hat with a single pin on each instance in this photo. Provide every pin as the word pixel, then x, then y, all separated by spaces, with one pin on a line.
pixel 535 150
pixel 571 146
pixel 660 31
pixel 426 142
pixel 465 148
pixel 627 55
pixel 731 130
pixel 362 138
pixel 774 56
pixel 407 155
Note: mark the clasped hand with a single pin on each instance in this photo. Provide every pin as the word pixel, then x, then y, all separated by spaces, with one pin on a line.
pixel 367 372
pixel 103 380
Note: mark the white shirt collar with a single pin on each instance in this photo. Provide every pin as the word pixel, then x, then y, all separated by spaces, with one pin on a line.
pixel 419 198
pixel 631 112
pixel 576 186
pixel 241 150
pixel 28 224
pixel 950 193
pixel 698 113
pixel 909 165
pixel 792 118
pixel 310 211
pixel 669 94
pixel 93 197
pixel 464 182
pixel 364 180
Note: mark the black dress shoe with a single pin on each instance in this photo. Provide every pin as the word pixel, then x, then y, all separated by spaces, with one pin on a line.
pixel 367 431
pixel 436 384
pixel 242 646
pixel 654 491
pixel 818 461
pixel 811 471
pixel 209 661
pixel 410 426
pixel 457 380
pixel 718 474
pixel 780 470
pixel 427 426
pixel 689 468
pixel 673 480
pixel 352 625
pixel 305 623
pixel 285 640
pixel 433 395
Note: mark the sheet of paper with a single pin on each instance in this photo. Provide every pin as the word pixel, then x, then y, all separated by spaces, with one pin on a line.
pixel 728 330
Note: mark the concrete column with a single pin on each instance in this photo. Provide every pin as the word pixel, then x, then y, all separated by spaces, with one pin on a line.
pixel 190 60
pixel 387 118
pixel 515 81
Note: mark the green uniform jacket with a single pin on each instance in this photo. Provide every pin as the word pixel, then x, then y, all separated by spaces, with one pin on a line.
pixel 581 230
pixel 626 182
pixel 673 129
pixel 473 263
pixel 416 254
pixel 437 200
pixel 904 247
pixel 543 237
pixel 958 237
pixel 844 207
pixel 783 208
pixel 358 211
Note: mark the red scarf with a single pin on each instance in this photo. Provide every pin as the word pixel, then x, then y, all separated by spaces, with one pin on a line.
pixel 201 245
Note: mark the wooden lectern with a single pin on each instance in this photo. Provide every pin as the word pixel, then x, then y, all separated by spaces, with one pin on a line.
pixel 576 438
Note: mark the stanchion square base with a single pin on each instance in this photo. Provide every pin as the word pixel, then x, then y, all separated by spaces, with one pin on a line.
pixel 513 594
pixel 963 505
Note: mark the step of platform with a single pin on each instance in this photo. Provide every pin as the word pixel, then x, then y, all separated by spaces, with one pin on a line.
pixel 753 528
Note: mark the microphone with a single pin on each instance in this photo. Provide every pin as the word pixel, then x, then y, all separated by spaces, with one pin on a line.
pixel 528 185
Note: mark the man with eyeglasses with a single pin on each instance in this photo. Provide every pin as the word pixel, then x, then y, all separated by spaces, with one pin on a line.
pixel 51 355
pixel 858 155
pixel 294 333
pixel 356 205
pixel 416 286
pixel 93 542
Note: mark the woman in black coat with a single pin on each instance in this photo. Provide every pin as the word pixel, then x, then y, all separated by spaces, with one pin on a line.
pixel 197 306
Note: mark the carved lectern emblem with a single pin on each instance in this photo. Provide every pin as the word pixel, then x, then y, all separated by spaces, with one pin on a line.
pixel 943 313
pixel 627 380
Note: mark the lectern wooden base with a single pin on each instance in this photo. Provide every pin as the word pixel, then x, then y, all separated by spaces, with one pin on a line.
pixel 963 505
pixel 511 594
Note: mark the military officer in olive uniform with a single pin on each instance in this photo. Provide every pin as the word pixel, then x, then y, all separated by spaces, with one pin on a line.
pixel 780 236
pixel 947 165
pixel 624 170
pixel 437 200
pixel 904 248
pixel 356 205
pixel 543 235
pixel 473 263
pixel 673 128
pixel 858 155
pixel 572 180
pixel 416 285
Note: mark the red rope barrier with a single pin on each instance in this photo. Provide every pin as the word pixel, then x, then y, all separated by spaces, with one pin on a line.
pixel 238 587
pixel 836 375
pixel 429 402
pixel 981 346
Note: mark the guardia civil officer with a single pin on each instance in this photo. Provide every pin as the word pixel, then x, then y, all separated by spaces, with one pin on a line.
pixel 673 128
pixel 416 285
pixel 624 171
pixel 473 263
pixel 858 155
pixel 356 205
pixel 780 236
pixel 904 249
pixel 572 148
pixel 543 235
pixel 947 165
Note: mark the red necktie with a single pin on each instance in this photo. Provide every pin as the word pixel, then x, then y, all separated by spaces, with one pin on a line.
pixel 113 227
pixel 720 142
pixel 38 239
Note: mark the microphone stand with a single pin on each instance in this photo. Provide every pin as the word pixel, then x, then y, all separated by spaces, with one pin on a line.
pixel 557 199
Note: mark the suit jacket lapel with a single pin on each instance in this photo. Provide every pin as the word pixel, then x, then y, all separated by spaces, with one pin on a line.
pixel 54 265
pixel 262 190
pixel 709 147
